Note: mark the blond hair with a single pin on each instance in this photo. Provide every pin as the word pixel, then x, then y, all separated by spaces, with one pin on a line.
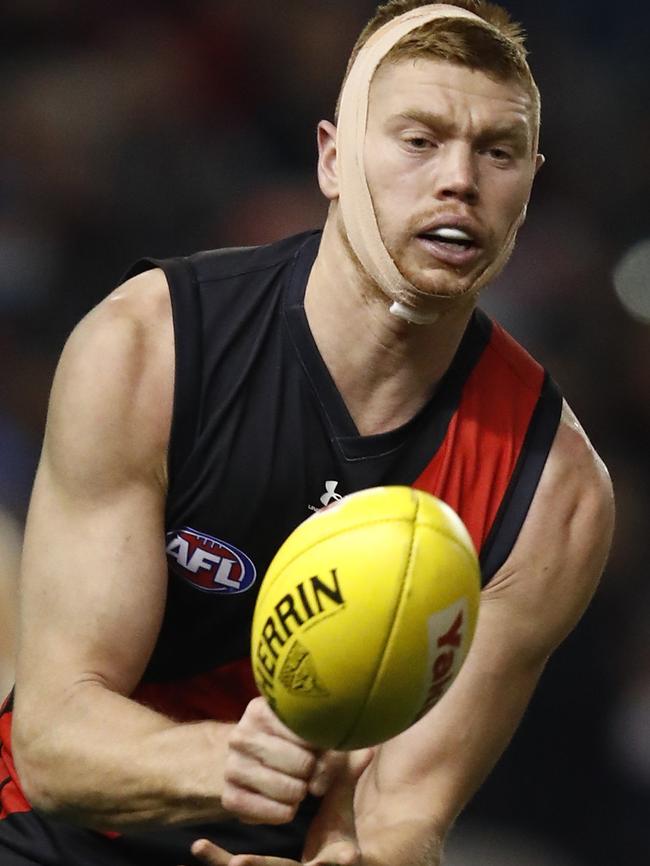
pixel 497 48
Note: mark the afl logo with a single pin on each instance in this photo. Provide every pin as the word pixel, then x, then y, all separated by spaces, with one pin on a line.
pixel 209 564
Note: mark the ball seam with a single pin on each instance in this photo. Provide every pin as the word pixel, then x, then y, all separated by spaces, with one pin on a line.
pixel 400 600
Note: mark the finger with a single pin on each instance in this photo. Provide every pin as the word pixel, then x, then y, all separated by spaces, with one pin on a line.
pixel 273 752
pixel 249 774
pixel 330 766
pixel 359 760
pixel 327 768
pixel 254 808
pixel 260 715
pixel 210 854
pixel 261 860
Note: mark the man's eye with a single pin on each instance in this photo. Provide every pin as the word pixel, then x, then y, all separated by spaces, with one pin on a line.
pixel 419 143
pixel 500 154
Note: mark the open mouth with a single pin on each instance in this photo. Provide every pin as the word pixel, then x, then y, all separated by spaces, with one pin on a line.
pixel 448 236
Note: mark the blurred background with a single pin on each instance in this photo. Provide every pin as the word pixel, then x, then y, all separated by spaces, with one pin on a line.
pixel 154 128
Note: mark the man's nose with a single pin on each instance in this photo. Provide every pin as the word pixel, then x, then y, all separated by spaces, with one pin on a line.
pixel 456 174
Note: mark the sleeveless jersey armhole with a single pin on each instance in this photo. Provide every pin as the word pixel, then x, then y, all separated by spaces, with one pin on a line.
pixel 188 354
pixel 524 481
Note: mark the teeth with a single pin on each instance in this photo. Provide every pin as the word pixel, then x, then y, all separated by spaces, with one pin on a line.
pixel 451 234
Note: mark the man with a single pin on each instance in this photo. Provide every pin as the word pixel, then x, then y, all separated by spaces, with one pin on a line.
pixel 356 356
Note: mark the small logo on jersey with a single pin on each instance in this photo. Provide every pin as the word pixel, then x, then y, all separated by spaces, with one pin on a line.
pixel 330 494
pixel 329 497
pixel 208 563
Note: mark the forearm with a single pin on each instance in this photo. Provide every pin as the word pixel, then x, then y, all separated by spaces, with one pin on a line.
pixel 401 842
pixel 435 767
pixel 107 762
pixel 432 770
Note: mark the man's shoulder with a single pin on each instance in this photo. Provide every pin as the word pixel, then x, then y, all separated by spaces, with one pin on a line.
pixel 575 458
pixel 508 355
pixel 226 263
pixel 114 384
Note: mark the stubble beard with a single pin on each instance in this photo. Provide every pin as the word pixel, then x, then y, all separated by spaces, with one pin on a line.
pixel 443 283
pixel 434 279
pixel 430 278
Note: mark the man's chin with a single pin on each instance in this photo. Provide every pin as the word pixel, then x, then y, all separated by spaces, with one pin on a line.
pixel 443 286
pixel 438 280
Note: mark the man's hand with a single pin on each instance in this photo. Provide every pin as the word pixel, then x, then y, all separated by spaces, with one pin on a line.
pixel 269 770
pixel 331 840
pixel 210 854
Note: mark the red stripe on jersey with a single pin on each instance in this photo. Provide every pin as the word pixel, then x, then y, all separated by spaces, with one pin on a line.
pixel 220 694
pixel 474 465
pixel 12 799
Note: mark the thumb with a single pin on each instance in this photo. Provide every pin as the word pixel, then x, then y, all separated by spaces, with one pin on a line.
pixel 337 853
pixel 336 767
pixel 358 761
pixel 332 837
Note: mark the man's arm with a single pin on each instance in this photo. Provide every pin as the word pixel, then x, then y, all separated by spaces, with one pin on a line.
pixel 93 581
pixel 93 593
pixel 419 782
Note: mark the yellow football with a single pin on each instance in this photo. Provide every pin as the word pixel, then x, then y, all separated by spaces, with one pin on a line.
pixel 365 616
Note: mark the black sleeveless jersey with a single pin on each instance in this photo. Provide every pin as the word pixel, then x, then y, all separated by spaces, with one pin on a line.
pixel 260 439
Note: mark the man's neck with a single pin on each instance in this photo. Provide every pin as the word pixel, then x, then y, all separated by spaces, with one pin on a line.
pixel 384 368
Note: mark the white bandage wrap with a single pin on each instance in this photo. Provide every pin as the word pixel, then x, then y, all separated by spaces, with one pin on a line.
pixel 355 201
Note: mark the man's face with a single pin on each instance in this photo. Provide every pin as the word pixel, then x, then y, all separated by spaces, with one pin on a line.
pixel 450 164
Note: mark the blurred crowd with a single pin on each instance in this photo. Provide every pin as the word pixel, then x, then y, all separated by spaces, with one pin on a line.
pixel 160 128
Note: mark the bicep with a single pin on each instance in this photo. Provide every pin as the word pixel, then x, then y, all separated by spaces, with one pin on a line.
pixel 556 564
pixel 92 585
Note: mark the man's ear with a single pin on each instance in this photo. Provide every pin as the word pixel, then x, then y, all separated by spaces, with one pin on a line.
pixel 540 159
pixel 327 175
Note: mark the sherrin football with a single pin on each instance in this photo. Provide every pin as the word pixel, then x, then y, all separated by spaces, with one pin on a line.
pixel 365 616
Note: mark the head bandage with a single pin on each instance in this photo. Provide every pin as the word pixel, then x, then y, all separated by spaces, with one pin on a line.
pixel 356 204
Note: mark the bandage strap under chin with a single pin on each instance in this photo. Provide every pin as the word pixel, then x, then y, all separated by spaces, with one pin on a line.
pixel 355 200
